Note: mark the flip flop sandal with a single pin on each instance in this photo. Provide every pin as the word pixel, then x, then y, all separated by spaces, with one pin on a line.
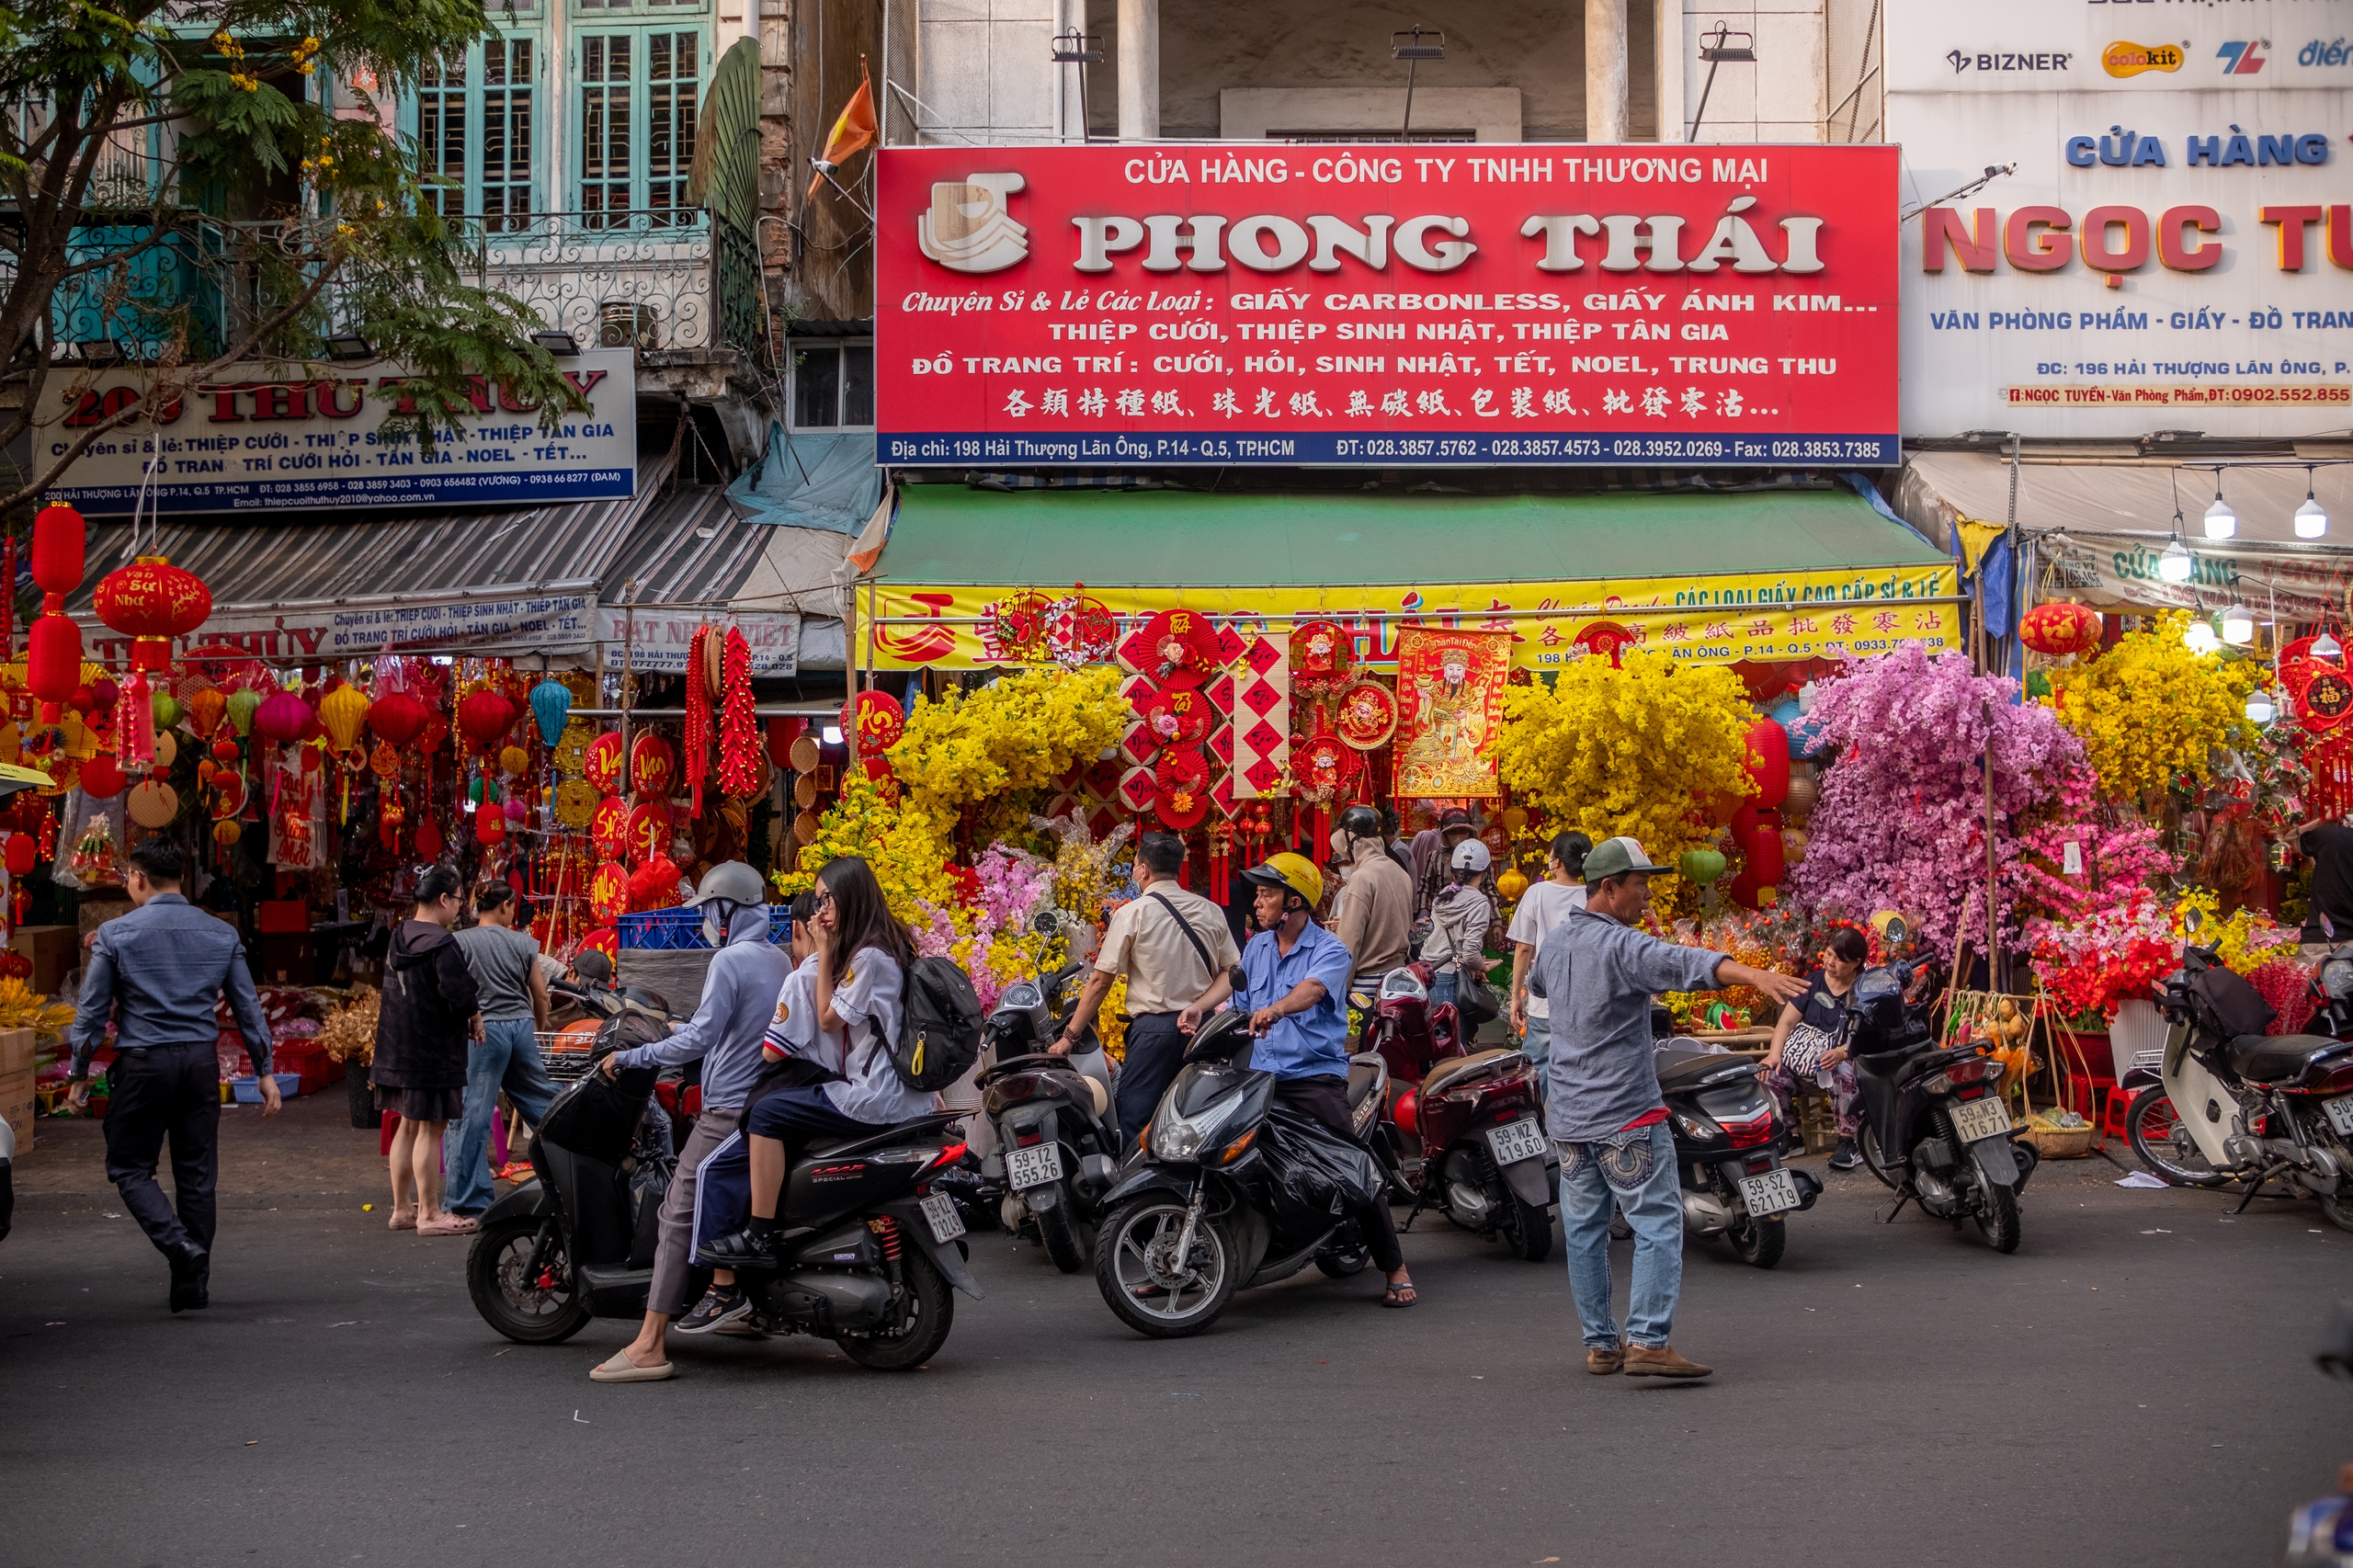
pixel 621 1370
pixel 1402 1295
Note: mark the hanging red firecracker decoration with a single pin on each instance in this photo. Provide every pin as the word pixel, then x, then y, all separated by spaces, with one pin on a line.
pixel 600 765
pixel 697 741
pixel 653 768
pixel 8 599
pixel 1221 862
pixel 484 718
pixel 396 717
pixel 740 772
pixel 151 601
pixel 134 723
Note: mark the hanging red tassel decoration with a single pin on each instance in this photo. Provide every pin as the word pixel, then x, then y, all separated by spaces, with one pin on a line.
pixel 697 735
pixel 134 721
pixel 8 599
pixel 1221 862
pixel 740 770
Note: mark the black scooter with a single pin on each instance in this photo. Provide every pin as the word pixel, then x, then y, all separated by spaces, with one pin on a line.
pixel 1934 1125
pixel 1730 1139
pixel 868 1249
pixel 1227 1192
pixel 1057 1146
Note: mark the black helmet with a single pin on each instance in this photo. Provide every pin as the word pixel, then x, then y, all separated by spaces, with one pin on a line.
pixel 1361 822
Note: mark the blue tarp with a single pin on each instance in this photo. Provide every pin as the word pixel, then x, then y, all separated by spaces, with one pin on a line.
pixel 820 481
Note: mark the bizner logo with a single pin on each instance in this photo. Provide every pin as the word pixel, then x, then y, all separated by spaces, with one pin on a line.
pixel 2124 58
pixel 968 228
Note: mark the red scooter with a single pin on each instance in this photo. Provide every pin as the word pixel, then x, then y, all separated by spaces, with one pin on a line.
pixel 1461 1133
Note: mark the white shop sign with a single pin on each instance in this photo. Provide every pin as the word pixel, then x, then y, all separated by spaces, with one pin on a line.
pixel 2174 251
pixel 291 436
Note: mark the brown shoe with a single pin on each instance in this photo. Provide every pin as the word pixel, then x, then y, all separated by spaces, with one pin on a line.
pixel 1601 1362
pixel 1641 1361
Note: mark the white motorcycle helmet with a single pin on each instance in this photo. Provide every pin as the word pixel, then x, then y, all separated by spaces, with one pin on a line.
pixel 1470 856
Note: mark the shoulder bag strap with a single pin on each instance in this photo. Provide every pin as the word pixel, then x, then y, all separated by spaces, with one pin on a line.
pixel 1209 965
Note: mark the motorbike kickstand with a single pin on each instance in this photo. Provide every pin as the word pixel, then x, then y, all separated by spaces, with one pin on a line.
pixel 1903 1197
pixel 1413 1214
pixel 2255 1185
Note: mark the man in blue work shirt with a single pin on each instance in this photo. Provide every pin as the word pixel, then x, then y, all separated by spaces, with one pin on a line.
pixel 157 973
pixel 1295 983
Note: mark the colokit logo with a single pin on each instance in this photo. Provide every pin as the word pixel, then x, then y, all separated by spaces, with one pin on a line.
pixel 968 227
pixel 2243 58
pixel 2124 58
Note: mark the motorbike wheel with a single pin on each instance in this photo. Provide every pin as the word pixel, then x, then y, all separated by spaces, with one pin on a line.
pixel 1179 1297
pixel 1866 1146
pixel 1054 1228
pixel 1999 1219
pixel 1527 1228
pixel 516 1307
pixel 1762 1241
pixel 2152 1126
pixel 926 1312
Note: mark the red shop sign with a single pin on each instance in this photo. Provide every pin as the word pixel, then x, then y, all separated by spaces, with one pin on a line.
pixel 1283 304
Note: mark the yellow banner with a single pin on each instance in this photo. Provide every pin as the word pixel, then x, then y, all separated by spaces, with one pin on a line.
pixel 1798 615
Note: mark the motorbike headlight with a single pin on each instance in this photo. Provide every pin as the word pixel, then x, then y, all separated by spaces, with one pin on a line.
pixel 1176 1137
pixel 1403 983
pixel 2336 977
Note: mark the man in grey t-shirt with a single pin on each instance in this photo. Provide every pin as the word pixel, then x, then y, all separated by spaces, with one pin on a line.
pixel 1603 1108
pixel 514 1004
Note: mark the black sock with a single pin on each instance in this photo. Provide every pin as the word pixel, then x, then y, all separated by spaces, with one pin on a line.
pixel 761 1229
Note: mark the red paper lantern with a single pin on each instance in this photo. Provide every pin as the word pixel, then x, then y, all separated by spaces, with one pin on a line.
pixel 490 825
pixel 83 698
pixel 282 717
pixel 1766 861
pixel 652 766
pixel 600 765
pixel 224 750
pixel 2058 630
pixel 483 717
pixel 397 718
pixel 102 778
pixel 151 601
pixel 57 551
pixel 782 733
pixel 654 885
pixel 53 658
pixel 24 854
pixel 1768 765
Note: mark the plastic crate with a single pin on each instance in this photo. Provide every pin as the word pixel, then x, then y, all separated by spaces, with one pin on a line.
pixel 248 1091
pixel 309 1062
pixel 662 930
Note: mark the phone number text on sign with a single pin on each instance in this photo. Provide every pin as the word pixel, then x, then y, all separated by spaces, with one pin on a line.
pixel 1043 305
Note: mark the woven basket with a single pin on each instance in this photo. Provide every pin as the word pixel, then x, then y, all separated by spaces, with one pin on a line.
pixel 2059 1142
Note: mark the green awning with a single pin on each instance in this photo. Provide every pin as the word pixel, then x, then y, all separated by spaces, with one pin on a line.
pixel 950 535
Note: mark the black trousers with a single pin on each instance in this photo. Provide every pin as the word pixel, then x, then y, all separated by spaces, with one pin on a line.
pixel 1326 1099
pixel 1155 1053
pixel 165 1091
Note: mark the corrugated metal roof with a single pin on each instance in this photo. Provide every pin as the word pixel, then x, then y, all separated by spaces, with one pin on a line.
pixel 651 537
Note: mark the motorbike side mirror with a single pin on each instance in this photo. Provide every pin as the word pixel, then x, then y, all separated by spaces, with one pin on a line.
pixel 1237 979
pixel 1896 933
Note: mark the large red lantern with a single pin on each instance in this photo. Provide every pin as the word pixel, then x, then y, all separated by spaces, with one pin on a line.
pixel 57 551
pixel 397 718
pixel 102 778
pixel 1768 765
pixel 53 649
pixel 151 601
pixel 1767 859
pixel 2058 630
pixel 782 733
pixel 53 659
pixel 483 717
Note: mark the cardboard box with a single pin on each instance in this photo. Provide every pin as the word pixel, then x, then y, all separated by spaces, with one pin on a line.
pixel 54 951
pixel 16 1048
pixel 17 1107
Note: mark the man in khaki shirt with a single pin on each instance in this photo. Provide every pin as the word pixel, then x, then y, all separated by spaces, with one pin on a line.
pixel 1374 914
pixel 1147 942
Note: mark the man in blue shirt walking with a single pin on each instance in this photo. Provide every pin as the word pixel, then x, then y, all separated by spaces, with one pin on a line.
pixel 1295 981
pixel 157 973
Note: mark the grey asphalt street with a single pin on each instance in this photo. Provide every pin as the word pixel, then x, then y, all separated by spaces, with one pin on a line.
pixel 2135 1386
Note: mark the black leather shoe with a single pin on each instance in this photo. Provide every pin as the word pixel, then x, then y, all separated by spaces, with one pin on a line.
pixel 742 1249
pixel 190 1267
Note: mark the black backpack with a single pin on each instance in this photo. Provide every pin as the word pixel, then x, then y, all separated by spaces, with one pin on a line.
pixel 939 1025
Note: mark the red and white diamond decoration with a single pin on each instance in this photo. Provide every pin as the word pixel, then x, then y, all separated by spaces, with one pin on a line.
pixel 1261 728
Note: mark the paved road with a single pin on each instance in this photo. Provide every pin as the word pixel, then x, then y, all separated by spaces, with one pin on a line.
pixel 2135 1386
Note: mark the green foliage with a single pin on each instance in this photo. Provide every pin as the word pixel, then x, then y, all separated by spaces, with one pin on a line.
pixel 204 262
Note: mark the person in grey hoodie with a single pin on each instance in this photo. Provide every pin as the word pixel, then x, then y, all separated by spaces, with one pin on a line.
pixel 739 992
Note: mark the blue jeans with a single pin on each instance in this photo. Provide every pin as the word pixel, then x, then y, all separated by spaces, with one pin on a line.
pixel 1445 986
pixel 507 1058
pixel 1593 1177
pixel 1537 1046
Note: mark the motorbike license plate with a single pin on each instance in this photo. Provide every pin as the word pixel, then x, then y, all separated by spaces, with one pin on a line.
pixel 939 1211
pixel 1033 1167
pixel 1975 1120
pixel 2340 1114
pixel 1770 1193
pixel 1516 1141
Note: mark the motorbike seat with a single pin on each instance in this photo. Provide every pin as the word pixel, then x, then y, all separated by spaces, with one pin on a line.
pixel 1363 1077
pixel 1679 1068
pixel 2269 1059
pixel 1447 1071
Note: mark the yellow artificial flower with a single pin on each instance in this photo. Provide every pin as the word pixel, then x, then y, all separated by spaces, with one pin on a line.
pixel 2149 711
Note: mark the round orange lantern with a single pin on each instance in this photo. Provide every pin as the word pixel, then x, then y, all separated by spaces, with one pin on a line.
pixel 652 766
pixel 151 601
pixel 2058 630
pixel 608 892
pixel 600 765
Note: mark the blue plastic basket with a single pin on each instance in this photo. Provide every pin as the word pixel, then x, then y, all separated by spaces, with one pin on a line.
pixel 662 930
pixel 248 1091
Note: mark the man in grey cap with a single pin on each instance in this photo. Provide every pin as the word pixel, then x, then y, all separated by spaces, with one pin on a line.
pixel 1598 972
pixel 739 993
